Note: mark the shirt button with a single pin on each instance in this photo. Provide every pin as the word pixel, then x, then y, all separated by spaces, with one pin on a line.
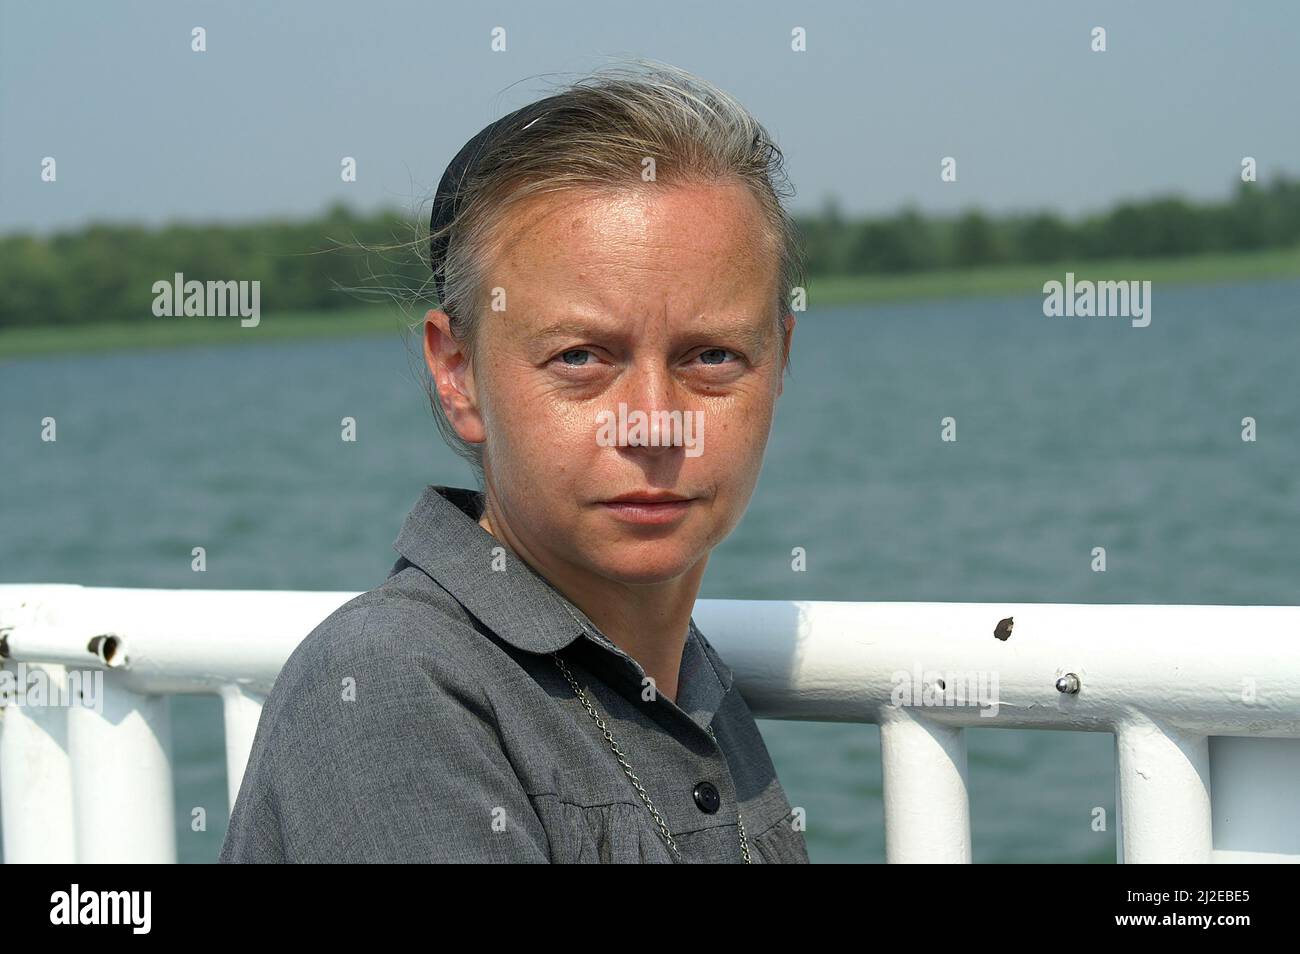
pixel 707 797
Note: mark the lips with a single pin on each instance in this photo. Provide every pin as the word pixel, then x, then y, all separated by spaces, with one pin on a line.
pixel 646 498
pixel 648 509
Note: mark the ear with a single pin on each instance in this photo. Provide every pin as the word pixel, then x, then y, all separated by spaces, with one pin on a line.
pixel 453 377
pixel 786 338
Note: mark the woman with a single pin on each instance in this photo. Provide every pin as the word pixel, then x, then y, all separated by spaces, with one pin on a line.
pixel 612 265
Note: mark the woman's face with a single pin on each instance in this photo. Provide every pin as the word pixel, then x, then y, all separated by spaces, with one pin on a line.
pixel 613 303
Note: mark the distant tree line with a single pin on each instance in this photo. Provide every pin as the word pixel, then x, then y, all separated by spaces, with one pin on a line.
pixel 106 272
pixel 1256 217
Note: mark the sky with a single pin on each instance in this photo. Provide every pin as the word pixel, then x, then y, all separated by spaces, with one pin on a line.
pixel 144 129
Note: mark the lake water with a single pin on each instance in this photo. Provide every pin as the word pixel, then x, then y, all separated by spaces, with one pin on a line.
pixel 1072 433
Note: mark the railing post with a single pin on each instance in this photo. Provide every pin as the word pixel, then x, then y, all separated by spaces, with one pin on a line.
pixel 36 778
pixel 122 778
pixel 242 710
pixel 1164 785
pixel 927 810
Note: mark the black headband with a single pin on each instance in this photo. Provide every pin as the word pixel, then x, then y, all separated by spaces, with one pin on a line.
pixel 447 200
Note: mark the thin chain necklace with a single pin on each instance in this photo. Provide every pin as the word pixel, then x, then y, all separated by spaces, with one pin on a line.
pixel 627 769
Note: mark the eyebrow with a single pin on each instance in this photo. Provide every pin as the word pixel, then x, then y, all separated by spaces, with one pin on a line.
pixel 754 338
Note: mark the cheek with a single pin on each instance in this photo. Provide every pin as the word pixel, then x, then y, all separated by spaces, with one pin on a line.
pixel 526 420
pixel 740 428
pixel 736 446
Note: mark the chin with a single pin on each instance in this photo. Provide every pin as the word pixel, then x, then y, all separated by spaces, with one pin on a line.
pixel 643 565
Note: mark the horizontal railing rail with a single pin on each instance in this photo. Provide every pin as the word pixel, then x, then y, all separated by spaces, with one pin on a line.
pixel 1203 701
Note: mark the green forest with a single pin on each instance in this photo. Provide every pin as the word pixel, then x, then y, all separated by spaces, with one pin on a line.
pixel 339 260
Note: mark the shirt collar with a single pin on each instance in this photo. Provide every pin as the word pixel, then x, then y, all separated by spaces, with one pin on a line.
pixel 442 536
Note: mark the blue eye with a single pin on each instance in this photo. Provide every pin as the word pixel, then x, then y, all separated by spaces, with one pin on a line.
pixel 717 351
pixel 579 364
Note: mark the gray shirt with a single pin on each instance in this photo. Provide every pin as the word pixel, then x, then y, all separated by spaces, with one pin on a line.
pixel 426 720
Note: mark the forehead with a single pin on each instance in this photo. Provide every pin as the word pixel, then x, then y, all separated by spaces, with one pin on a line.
pixel 674 248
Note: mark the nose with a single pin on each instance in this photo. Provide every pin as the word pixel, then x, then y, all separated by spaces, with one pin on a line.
pixel 647 400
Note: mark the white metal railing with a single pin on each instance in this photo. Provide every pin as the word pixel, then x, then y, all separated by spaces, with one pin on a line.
pixel 1204 703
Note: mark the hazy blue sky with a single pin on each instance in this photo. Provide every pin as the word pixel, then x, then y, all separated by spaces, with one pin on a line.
pixel 144 129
